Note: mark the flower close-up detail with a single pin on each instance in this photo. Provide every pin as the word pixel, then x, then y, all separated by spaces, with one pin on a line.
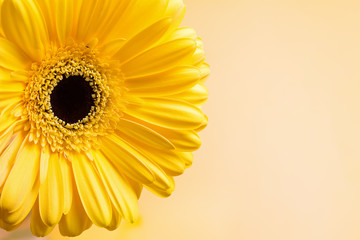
pixel 98 99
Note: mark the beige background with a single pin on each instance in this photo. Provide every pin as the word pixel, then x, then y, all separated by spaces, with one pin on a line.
pixel 281 156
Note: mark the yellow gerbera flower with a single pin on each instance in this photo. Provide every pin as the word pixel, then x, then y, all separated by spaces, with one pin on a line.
pixel 97 100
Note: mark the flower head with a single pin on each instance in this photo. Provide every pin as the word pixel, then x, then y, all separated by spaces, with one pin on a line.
pixel 97 100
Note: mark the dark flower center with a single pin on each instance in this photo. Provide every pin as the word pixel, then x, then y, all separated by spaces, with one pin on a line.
pixel 71 99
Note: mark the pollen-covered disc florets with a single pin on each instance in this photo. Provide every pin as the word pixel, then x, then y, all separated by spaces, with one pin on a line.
pixel 75 70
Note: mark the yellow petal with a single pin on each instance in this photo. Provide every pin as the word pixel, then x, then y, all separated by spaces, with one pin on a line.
pixel 1 28
pixel 203 125
pixel 44 161
pixel 138 187
pixel 67 183
pixel 38 228
pixel 183 140
pixel 97 18
pixel 187 157
pixel 167 160
pixel 92 191
pixel 170 82
pixel 126 158
pixel 77 9
pixel 13 81
pixel 17 216
pixel 17 112
pixel 22 177
pixel 64 19
pixel 143 134
pixel 11 57
pixel 8 97
pixel 205 72
pixel 198 57
pixel 25 26
pixel 161 192
pixel 19 76
pixel 51 196
pixel 111 47
pixel 11 100
pixel 7 158
pixel 47 9
pixel 158 192
pixel 199 43
pixel 7 117
pixel 76 221
pixel 143 40
pixel 109 30
pixel 16 127
pixel 86 12
pixel 161 58
pixel 115 222
pixel 121 193
pixel 5 73
pixel 134 18
pixel 169 113
pixel 9 227
pixel 8 120
pixel 161 180
pixel 175 9
pixel 5 139
pixel 12 86
pixel 184 32
pixel 196 95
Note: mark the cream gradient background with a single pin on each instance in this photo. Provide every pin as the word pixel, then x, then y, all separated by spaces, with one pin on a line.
pixel 281 156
